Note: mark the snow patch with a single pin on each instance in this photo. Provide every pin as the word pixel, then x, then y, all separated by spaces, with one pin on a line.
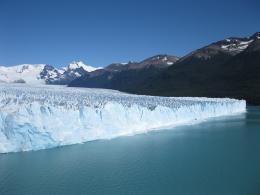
pixel 236 45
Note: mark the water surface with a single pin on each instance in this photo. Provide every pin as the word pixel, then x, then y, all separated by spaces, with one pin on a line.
pixel 220 156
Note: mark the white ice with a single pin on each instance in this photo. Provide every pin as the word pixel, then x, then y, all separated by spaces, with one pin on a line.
pixel 39 117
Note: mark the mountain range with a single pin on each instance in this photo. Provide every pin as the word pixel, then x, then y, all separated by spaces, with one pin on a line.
pixel 125 76
pixel 226 68
pixel 43 73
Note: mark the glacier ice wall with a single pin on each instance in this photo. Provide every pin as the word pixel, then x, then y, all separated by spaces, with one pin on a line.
pixel 33 118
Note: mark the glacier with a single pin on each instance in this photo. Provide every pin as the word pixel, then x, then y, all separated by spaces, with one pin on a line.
pixel 40 117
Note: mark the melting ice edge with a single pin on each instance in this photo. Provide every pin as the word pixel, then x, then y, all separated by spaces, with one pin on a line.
pixel 40 117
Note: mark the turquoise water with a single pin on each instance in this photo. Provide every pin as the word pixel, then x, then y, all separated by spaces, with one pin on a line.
pixel 221 156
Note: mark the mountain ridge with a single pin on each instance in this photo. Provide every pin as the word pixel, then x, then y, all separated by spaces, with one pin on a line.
pixel 43 73
pixel 235 75
pixel 123 76
pixel 226 68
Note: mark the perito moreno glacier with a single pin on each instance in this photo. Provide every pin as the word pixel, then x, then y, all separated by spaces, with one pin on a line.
pixel 39 117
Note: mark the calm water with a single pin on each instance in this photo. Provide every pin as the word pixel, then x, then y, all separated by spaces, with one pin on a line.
pixel 221 157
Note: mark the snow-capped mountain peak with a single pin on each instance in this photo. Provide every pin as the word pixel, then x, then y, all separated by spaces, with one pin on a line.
pixel 237 45
pixel 80 64
pixel 24 73
pixel 23 67
pixel 160 60
pixel 256 36
pixel 43 73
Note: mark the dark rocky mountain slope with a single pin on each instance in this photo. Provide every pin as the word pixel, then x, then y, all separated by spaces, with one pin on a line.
pixel 227 68
pixel 211 72
pixel 125 76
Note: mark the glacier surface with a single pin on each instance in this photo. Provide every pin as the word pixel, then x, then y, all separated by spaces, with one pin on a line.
pixel 39 117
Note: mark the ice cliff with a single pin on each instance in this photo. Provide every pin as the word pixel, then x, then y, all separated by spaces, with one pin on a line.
pixel 33 118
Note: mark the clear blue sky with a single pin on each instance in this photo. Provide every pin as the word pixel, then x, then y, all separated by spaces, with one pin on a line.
pixel 101 32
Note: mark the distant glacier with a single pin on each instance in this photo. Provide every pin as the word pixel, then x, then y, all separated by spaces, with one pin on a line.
pixel 40 117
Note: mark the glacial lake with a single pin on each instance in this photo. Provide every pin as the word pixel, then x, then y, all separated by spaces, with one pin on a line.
pixel 217 157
